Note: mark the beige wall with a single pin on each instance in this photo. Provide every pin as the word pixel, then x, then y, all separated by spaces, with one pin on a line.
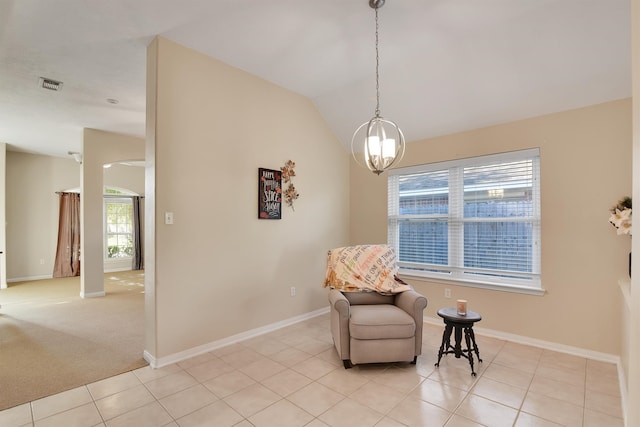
pixel 126 177
pixel 32 207
pixel 218 270
pixel 585 169
pixel 32 211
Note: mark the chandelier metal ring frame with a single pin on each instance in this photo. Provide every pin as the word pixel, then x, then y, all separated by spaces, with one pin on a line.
pixel 378 143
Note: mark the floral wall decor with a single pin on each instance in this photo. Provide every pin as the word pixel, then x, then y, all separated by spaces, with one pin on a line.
pixel 290 193
pixel 621 216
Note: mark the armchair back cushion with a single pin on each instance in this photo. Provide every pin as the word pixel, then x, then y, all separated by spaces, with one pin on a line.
pixel 368 298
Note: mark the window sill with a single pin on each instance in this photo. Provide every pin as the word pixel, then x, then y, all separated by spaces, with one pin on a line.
pixel 489 286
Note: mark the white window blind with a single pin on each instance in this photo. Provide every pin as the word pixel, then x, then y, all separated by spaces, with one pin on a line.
pixel 473 220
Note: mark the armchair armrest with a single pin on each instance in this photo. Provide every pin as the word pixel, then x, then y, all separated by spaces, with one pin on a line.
pixel 414 304
pixel 340 313
pixel 339 302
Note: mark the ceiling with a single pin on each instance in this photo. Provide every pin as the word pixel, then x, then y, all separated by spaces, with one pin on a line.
pixel 445 65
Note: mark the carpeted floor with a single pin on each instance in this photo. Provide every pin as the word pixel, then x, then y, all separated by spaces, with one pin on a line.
pixel 51 340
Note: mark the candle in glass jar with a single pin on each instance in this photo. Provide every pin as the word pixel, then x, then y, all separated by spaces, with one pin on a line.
pixel 462 307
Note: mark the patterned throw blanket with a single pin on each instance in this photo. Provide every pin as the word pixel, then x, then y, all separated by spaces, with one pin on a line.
pixel 364 268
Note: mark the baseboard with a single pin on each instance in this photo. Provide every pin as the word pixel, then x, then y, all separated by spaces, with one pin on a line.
pixel 117 269
pixel 92 294
pixel 548 345
pixel 29 278
pixel 50 276
pixel 196 351
pixel 622 380
pixel 561 348
pixel 150 359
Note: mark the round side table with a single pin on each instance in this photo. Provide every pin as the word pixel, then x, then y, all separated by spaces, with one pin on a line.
pixel 459 324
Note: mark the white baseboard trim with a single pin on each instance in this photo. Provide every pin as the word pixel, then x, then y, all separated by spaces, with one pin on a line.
pixel 29 278
pixel 117 269
pixel 92 294
pixel 548 345
pixel 50 276
pixel 622 380
pixel 196 351
pixel 150 359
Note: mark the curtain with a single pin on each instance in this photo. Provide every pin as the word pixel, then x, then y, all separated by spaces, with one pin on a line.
pixel 67 262
pixel 138 257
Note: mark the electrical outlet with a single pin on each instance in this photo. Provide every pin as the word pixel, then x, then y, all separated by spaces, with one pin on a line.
pixel 447 293
pixel 41 261
pixel 293 291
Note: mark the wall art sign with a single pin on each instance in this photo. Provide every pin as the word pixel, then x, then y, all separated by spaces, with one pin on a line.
pixel 269 194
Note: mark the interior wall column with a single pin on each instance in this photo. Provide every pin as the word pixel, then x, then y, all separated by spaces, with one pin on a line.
pixel 91 229
pixel 632 417
pixel 98 148
pixel 150 336
pixel 3 217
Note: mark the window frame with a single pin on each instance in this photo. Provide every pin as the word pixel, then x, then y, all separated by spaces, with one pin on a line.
pixel 454 272
pixel 115 198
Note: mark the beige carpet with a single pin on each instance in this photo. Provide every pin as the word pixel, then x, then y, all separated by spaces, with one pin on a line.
pixel 51 340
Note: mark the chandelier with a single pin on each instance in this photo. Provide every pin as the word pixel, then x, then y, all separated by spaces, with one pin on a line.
pixel 379 142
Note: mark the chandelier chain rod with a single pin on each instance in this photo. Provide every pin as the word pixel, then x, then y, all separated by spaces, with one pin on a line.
pixel 377 69
pixel 380 140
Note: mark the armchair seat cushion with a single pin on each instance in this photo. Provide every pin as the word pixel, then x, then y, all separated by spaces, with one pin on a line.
pixel 383 321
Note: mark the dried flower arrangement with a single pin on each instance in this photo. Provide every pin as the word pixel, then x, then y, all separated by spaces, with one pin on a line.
pixel 621 216
pixel 290 193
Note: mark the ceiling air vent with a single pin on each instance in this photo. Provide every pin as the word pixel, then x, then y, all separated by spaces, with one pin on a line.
pixel 50 84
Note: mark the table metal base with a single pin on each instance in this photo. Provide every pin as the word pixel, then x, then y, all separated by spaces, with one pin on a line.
pixel 457 350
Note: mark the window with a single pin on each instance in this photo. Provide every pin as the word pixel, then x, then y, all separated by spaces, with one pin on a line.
pixel 118 228
pixel 473 220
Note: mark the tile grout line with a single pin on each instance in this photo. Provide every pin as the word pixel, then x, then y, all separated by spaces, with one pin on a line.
pixel 528 387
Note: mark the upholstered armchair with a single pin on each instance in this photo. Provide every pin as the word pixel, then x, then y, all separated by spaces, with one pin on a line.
pixel 375 317
pixel 368 327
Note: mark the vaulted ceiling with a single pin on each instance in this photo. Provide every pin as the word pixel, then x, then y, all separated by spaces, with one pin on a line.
pixel 445 65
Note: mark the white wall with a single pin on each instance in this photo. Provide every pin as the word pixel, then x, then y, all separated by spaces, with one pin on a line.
pixel 219 270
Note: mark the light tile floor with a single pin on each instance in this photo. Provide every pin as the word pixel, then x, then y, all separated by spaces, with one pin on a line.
pixel 293 377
